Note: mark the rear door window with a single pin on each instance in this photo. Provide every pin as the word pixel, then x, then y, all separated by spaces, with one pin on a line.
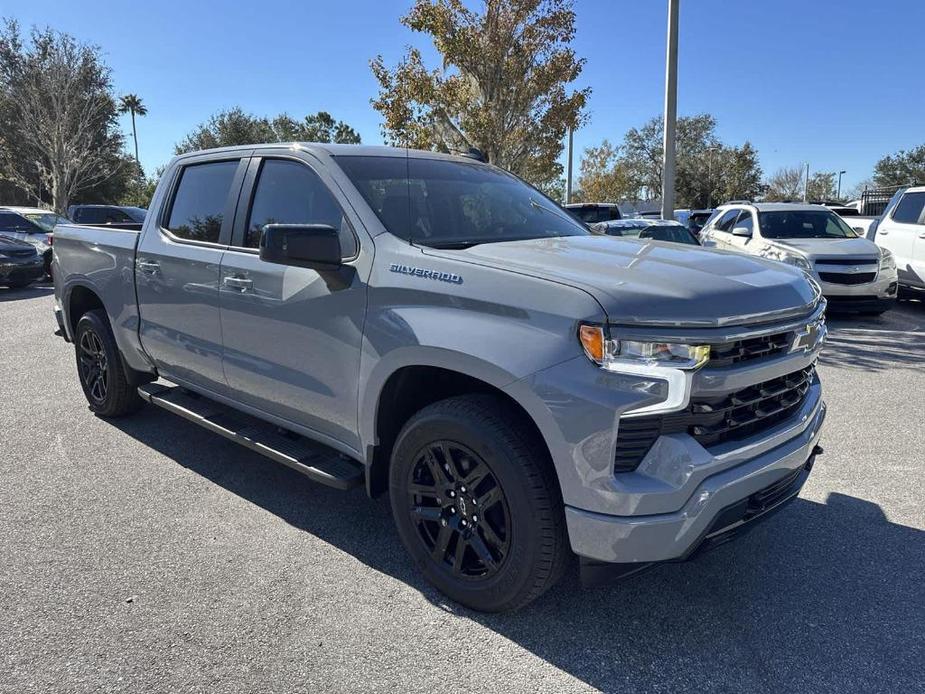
pixel 198 207
pixel 288 192
pixel 909 209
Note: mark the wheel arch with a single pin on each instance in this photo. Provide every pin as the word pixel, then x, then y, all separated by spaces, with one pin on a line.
pixel 408 387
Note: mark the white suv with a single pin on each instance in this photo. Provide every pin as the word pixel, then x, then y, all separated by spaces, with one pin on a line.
pixel 855 275
pixel 901 230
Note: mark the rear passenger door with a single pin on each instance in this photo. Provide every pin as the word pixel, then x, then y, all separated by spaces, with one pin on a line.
pixel 292 335
pixel 904 234
pixel 177 270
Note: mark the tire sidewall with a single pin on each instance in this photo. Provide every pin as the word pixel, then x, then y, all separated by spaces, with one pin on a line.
pixel 493 593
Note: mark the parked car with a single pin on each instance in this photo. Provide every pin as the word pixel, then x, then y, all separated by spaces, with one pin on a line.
pixel 115 216
pixel 20 262
pixel 433 328
pixel 33 225
pixel 854 274
pixel 654 229
pixel 901 231
pixel 594 212
pixel 693 219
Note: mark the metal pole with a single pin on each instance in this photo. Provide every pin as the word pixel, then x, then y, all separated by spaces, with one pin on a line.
pixel 806 185
pixel 568 166
pixel 838 192
pixel 671 112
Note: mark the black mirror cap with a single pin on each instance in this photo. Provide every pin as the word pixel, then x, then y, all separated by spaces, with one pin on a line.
pixel 314 246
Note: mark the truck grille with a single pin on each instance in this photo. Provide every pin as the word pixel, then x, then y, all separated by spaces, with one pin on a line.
pixel 751 348
pixel 847 261
pixel 715 420
pixel 845 278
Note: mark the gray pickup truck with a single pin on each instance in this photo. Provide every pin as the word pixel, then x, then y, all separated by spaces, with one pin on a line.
pixel 433 328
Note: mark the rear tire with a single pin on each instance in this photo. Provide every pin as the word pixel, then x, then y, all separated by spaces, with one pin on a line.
pixel 100 368
pixel 477 503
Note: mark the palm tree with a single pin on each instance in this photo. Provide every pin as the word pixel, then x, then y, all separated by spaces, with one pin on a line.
pixel 131 103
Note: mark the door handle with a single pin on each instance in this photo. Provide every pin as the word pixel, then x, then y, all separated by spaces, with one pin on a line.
pixel 242 283
pixel 922 235
pixel 882 233
pixel 149 267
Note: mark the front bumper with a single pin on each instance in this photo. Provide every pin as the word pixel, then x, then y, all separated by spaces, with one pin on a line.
pixel 643 539
pixel 32 269
pixel 871 296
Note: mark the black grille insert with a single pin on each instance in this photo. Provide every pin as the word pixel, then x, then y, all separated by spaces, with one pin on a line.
pixel 846 278
pixel 715 420
pixel 751 348
pixel 847 261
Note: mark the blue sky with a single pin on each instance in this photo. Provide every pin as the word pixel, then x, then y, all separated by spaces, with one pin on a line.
pixel 837 83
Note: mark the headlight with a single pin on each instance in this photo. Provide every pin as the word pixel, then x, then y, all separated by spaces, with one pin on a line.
pixel 615 355
pixel 797 260
pixel 887 261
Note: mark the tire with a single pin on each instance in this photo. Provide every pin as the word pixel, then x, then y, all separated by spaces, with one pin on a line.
pixel 517 549
pixel 100 369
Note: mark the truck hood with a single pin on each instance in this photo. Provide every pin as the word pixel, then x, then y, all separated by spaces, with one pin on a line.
pixel 830 248
pixel 655 283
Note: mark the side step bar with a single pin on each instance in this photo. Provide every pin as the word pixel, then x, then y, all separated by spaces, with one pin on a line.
pixel 312 459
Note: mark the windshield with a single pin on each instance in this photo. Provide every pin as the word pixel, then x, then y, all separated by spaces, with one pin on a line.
pixel 454 204
pixel 803 224
pixel 592 214
pixel 47 220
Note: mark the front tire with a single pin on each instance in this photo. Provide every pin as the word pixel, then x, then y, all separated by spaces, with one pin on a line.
pixel 100 369
pixel 477 504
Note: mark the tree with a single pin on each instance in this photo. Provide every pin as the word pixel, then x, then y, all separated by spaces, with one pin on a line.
pixel 902 168
pixel 502 86
pixel 707 172
pixel 822 186
pixel 58 129
pixel 785 184
pixel 603 176
pixel 739 175
pixel 132 103
pixel 235 127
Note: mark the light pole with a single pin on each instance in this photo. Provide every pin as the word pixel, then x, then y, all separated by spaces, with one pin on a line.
pixel 568 166
pixel 671 112
pixel 806 185
pixel 838 192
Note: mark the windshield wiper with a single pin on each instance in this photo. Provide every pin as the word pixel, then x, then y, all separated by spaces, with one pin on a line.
pixel 452 245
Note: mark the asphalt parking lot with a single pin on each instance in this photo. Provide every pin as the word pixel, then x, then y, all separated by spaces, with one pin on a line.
pixel 146 554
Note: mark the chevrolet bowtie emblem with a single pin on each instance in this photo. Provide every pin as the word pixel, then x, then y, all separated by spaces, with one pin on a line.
pixel 808 337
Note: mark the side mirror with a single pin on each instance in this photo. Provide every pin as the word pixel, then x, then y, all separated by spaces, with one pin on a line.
pixel 742 231
pixel 305 245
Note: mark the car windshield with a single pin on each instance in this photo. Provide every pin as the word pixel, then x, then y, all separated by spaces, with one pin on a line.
pixel 455 204
pixel 675 234
pixel 592 214
pixel 697 219
pixel 803 224
pixel 47 220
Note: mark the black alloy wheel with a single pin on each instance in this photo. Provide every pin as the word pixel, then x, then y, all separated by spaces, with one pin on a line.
pixel 94 366
pixel 459 510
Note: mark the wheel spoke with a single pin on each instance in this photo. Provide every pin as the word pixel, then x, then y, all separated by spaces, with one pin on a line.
pixel 476 475
pixel 443 539
pixel 481 550
pixel 490 498
pixel 490 535
pixel 426 513
pixel 450 462
pixel 416 489
pixel 441 479
pixel 460 554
